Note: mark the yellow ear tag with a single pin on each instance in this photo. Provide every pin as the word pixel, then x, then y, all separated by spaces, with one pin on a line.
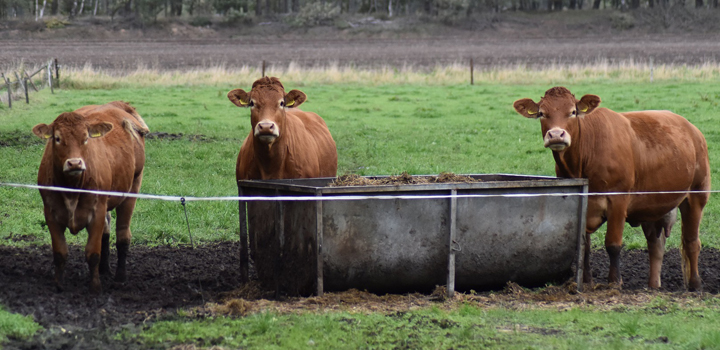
pixel 47 136
pixel 290 104
pixel 97 134
pixel 243 102
pixel 531 112
pixel 584 109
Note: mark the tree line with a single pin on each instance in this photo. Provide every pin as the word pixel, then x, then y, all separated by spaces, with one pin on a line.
pixel 311 11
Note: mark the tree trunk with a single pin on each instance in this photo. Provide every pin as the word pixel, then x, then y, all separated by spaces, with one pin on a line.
pixel 258 8
pixel 390 11
pixel 699 3
pixel 42 9
pixel 82 6
pixel 635 4
pixel 596 5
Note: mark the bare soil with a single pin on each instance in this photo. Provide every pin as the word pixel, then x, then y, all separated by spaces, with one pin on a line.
pixel 508 39
pixel 206 279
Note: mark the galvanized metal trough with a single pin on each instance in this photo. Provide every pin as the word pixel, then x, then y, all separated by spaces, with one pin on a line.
pixel 476 235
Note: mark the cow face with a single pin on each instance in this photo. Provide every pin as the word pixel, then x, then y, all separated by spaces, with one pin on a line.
pixel 268 103
pixel 556 110
pixel 68 137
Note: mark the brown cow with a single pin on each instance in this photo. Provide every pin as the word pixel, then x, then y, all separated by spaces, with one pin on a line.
pixel 630 152
pixel 94 148
pixel 284 142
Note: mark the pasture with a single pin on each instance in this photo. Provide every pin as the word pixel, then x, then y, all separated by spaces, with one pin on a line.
pixel 384 128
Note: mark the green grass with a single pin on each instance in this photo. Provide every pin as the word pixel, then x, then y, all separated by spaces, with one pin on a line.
pixel 384 129
pixel 13 326
pixel 661 324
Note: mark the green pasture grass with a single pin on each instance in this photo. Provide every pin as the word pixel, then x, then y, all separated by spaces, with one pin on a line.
pixel 661 324
pixel 379 130
pixel 16 326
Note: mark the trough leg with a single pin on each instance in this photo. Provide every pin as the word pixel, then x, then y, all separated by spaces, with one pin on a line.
pixel 244 254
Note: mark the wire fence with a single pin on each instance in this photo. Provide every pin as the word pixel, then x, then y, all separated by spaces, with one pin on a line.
pixel 48 73
pixel 183 199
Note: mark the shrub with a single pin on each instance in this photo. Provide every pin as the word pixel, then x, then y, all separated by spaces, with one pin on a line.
pixel 315 14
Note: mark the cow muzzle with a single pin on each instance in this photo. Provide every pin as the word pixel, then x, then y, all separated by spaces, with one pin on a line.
pixel 557 139
pixel 266 131
pixel 74 166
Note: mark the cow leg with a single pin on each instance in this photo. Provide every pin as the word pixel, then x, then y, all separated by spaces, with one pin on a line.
pixel 94 245
pixel 691 210
pixel 105 249
pixel 60 251
pixel 656 249
pixel 617 212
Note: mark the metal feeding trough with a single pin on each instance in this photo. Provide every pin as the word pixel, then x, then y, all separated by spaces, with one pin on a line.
pixel 469 238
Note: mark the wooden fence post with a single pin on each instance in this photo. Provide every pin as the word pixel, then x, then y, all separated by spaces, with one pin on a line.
pixel 472 73
pixel 9 87
pixel 28 78
pixel 27 96
pixel 49 74
pixel 57 73
pixel 263 69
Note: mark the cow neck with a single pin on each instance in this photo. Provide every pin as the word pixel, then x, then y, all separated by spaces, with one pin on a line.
pixel 273 155
pixel 570 161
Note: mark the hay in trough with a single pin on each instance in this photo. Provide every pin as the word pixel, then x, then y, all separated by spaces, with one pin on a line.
pixel 402 179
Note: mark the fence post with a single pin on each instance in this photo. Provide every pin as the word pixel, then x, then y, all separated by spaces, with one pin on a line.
pixel 27 96
pixel 263 69
pixel 49 74
pixel 472 74
pixel 9 87
pixel 57 73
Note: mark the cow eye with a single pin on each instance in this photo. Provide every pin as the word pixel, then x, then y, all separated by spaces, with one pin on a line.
pixel 540 114
pixel 252 103
pixel 573 113
pixel 57 139
pixel 282 103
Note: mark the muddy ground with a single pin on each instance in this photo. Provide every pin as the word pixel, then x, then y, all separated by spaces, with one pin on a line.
pixel 164 279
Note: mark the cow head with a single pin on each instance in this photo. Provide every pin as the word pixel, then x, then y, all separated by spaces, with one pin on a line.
pixel 268 103
pixel 68 139
pixel 555 111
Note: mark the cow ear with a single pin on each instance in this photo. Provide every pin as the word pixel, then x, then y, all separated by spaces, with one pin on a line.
pixel 42 131
pixel 527 108
pixel 587 104
pixel 239 97
pixel 99 129
pixel 294 98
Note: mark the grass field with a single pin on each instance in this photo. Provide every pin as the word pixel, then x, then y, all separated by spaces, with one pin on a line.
pixel 384 129
pixel 379 129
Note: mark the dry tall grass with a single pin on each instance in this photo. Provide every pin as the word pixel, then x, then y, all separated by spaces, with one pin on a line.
pixel 458 73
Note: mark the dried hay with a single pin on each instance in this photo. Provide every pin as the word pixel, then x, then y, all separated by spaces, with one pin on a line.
pixel 402 179
pixel 602 297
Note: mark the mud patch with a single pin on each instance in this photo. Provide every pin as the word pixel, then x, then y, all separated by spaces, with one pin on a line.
pixel 206 279
pixel 175 136
pixel 19 138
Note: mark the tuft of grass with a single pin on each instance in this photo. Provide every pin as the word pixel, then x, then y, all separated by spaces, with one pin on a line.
pixel 14 326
